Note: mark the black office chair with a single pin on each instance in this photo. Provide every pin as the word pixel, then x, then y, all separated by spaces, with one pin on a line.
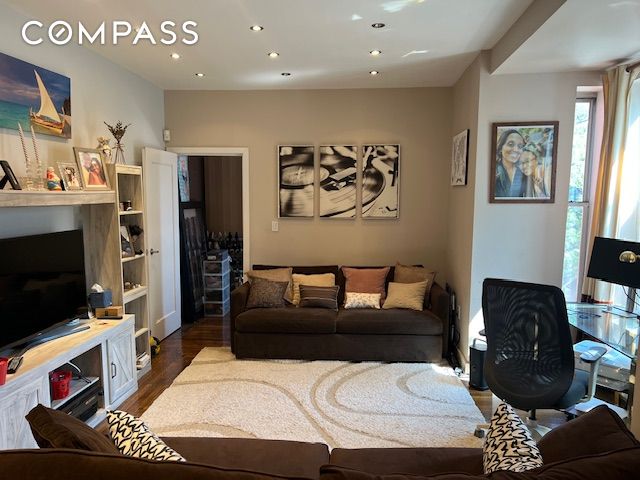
pixel 529 361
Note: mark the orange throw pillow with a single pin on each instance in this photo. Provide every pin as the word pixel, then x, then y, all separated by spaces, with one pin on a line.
pixel 366 280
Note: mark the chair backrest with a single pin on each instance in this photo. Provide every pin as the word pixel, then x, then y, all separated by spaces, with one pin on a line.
pixel 529 361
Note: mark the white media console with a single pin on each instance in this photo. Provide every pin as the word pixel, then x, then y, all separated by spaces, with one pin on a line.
pixel 105 353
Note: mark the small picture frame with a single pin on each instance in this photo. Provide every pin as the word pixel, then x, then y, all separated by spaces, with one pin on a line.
pixel 70 176
pixel 125 242
pixel 92 169
pixel 460 159
pixel 8 177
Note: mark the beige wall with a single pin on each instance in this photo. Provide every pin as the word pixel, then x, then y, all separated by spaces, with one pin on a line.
pixel 466 93
pixel 100 91
pixel 418 119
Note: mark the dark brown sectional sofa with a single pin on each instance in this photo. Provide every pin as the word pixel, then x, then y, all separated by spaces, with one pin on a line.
pixel 594 446
pixel 394 335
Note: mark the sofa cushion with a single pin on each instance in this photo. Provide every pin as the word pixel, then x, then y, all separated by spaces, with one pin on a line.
pixel 320 297
pixel 366 280
pixel 316 280
pixel 273 457
pixel 406 295
pixel 620 464
pixel 509 444
pixel 413 274
pixel 597 431
pixel 266 293
pixel 55 429
pixel 133 438
pixel 361 300
pixel 414 461
pixel 63 464
pixel 388 322
pixel 275 275
pixel 286 320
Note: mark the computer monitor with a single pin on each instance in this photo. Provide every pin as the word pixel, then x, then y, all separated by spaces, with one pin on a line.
pixel 605 262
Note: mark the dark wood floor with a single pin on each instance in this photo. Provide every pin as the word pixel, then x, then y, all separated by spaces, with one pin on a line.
pixel 178 350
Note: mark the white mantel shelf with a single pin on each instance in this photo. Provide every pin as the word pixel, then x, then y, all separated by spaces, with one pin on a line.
pixel 24 198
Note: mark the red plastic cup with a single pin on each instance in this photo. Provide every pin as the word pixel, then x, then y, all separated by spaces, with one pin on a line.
pixel 3 369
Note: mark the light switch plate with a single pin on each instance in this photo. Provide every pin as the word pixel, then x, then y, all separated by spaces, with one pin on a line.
pixel 274 226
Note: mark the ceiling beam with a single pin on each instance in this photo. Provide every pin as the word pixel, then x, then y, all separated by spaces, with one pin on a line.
pixel 529 22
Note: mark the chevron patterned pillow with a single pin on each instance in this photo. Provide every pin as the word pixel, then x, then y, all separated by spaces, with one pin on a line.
pixel 133 438
pixel 508 444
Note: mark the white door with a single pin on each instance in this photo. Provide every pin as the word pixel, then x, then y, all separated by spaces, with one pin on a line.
pixel 162 240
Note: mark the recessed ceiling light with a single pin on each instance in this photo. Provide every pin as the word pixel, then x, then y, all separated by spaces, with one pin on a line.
pixel 285 74
pixel 175 56
pixel 256 28
pixel 374 72
pixel 375 53
pixel 378 25
pixel 273 54
pixel 199 74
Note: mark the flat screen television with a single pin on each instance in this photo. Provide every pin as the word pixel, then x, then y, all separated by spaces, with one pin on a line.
pixel 42 285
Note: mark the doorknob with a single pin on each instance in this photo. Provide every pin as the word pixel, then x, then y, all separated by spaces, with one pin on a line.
pixel 152 251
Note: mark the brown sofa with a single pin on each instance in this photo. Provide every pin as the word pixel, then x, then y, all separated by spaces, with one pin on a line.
pixel 596 445
pixel 394 335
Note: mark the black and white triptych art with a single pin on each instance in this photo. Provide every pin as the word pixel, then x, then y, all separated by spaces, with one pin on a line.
pixel 338 174
pixel 296 178
pixel 380 181
pixel 338 181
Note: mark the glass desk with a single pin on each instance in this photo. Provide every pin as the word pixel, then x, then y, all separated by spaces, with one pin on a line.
pixel 615 329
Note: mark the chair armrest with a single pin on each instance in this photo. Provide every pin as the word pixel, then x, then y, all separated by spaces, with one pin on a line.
pixel 439 305
pixel 593 354
pixel 239 298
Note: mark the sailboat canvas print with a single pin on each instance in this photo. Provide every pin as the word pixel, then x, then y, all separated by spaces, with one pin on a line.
pixel 32 95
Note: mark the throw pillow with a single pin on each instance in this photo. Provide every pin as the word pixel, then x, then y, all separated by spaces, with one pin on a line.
pixel 406 295
pixel 320 297
pixel 509 445
pixel 366 280
pixel 412 274
pixel 275 275
pixel 54 429
pixel 266 294
pixel 316 280
pixel 362 300
pixel 133 438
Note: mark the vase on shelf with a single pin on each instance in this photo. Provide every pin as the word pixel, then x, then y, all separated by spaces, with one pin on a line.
pixel 119 155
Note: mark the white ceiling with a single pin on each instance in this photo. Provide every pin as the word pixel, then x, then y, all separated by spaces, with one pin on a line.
pixel 325 43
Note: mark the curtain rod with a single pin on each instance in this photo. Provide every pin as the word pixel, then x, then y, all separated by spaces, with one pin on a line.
pixel 632 66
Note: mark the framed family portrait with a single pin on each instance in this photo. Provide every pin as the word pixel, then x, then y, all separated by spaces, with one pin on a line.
pixel 70 176
pixel 523 162
pixel 91 168
pixel 460 158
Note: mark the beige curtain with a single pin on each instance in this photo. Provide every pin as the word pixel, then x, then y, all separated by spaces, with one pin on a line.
pixel 617 199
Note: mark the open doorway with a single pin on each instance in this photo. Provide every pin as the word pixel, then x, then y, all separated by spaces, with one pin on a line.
pixel 214 228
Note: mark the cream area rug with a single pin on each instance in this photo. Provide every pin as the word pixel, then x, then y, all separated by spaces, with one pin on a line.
pixel 342 404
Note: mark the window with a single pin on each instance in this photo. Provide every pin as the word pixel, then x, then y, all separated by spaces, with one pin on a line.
pixel 578 210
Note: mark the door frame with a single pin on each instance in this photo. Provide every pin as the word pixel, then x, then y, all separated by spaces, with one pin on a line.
pixel 240 152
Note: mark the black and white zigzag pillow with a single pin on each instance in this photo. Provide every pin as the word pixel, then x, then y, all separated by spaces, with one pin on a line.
pixel 133 438
pixel 508 444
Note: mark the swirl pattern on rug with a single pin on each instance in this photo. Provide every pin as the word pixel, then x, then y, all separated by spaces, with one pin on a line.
pixel 342 404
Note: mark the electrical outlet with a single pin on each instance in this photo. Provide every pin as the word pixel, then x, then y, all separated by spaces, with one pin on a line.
pixel 274 226
pixel 166 135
